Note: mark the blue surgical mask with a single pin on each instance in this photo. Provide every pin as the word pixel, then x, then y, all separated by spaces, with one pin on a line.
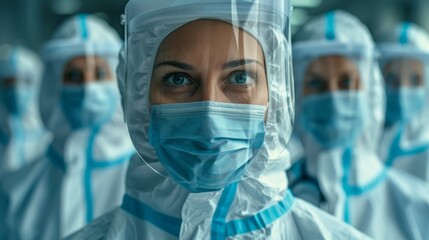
pixel 16 100
pixel 334 119
pixel 205 146
pixel 89 105
pixel 404 103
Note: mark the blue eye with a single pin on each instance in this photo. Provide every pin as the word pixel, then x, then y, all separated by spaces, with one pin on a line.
pixel 242 78
pixel 101 74
pixel 346 83
pixel 177 79
pixel 74 76
pixel 392 80
pixel 315 83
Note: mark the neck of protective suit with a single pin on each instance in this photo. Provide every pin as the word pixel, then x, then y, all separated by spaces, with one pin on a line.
pixel 339 130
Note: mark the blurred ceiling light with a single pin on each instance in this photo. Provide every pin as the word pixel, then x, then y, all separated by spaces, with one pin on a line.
pixel 299 17
pixel 306 3
pixel 66 6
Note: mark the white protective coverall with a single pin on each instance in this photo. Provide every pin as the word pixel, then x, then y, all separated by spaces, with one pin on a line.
pixel 256 206
pixel 405 141
pixel 348 179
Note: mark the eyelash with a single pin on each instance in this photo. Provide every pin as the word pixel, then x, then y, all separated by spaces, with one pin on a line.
pixel 252 75
pixel 166 76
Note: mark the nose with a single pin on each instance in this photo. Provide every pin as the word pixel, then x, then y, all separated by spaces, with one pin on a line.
pixel 89 76
pixel 210 91
pixel 333 85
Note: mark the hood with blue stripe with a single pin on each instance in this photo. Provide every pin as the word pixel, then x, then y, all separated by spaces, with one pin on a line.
pixel 342 34
pixel 94 159
pixel 21 128
pixel 409 41
pixel 339 33
pixel 81 35
pixel 405 142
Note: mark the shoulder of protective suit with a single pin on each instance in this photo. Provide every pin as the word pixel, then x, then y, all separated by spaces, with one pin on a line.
pixel 328 226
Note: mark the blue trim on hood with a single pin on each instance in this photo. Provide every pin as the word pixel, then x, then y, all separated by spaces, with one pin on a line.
pixel 330 26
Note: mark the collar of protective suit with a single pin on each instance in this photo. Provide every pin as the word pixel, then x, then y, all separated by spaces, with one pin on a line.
pixel 406 146
pixel 22 139
pixel 105 143
pixel 162 194
pixel 93 162
pixel 338 169
pixel 359 189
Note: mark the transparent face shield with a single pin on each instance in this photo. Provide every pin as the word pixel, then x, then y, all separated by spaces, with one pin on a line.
pixel 17 87
pixel 201 93
pixel 85 69
pixel 406 88
pixel 333 100
pixel 81 85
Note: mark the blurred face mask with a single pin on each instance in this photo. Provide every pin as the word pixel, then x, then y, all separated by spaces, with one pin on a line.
pixel 89 105
pixel 334 119
pixel 404 103
pixel 206 146
pixel 16 100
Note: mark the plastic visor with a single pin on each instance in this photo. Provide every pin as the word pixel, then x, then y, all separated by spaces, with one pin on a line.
pixel 407 71
pixel 232 52
pixel 353 69
pixel 76 67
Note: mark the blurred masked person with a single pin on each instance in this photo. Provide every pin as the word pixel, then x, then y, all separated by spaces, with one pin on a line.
pixel 207 89
pixel 83 173
pixel 405 65
pixel 340 113
pixel 22 135
pixel 23 139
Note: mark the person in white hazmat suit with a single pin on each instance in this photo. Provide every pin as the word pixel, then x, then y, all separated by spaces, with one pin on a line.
pixel 209 112
pixel 22 135
pixel 340 113
pixel 83 174
pixel 23 139
pixel 404 60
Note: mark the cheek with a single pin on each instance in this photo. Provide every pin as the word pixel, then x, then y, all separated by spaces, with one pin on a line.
pixel 262 93
pixel 154 94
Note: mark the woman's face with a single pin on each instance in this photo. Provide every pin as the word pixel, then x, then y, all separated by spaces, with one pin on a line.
pixel 209 60
pixel 86 69
pixel 330 74
pixel 404 73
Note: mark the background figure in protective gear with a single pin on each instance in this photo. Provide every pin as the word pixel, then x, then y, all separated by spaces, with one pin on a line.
pixel 23 139
pixel 405 65
pixel 340 113
pixel 22 136
pixel 84 169
pixel 209 112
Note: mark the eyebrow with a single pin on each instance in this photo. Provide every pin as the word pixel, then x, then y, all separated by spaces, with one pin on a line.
pixel 240 62
pixel 188 67
pixel 176 64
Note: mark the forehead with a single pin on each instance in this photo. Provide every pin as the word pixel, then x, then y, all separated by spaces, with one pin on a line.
pixel 86 61
pixel 208 39
pixel 331 64
pixel 400 63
